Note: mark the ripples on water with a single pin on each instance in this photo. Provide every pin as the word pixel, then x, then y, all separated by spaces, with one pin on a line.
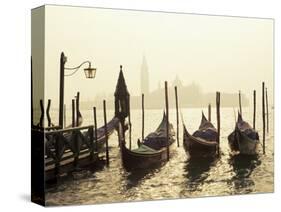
pixel 180 177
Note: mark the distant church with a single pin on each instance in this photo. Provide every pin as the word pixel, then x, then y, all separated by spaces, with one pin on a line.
pixel 144 83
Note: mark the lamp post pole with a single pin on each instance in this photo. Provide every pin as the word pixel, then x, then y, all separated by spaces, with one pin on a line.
pixel 61 102
pixel 89 72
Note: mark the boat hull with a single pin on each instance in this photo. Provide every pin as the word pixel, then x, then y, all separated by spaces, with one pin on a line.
pixel 203 142
pixel 195 149
pixel 151 152
pixel 242 144
pixel 132 160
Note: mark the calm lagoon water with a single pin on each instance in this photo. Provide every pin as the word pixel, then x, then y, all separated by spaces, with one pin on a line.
pixel 178 178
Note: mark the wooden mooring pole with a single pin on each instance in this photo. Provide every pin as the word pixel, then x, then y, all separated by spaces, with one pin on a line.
pixel 254 115
pixel 77 108
pixel 263 119
pixel 64 115
pixel 142 110
pixel 130 124
pixel 177 115
pixel 240 104
pixel 76 123
pixel 209 113
pixel 218 119
pixel 48 113
pixel 167 120
pixel 73 112
pixel 91 139
pixel 32 119
pixel 96 129
pixel 41 123
pixel 105 132
pixel 266 103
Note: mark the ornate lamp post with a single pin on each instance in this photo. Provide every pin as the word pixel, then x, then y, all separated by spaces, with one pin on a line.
pixel 90 73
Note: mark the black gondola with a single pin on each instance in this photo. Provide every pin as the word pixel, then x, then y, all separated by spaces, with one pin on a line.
pixel 244 139
pixel 203 142
pixel 111 126
pixel 151 152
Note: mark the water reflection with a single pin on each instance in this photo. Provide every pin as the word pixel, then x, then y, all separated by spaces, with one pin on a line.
pixel 197 171
pixel 178 178
pixel 135 177
pixel 243 166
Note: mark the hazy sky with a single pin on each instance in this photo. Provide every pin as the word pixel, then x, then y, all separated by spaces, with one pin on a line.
pixel 219 53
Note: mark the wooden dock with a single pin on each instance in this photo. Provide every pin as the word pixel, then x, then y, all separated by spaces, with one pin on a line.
pixel 58 151
pixel 66 150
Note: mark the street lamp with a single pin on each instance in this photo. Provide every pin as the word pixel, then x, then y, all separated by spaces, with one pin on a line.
pixel 90 73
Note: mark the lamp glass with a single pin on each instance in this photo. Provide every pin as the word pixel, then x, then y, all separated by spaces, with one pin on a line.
pixel 90 73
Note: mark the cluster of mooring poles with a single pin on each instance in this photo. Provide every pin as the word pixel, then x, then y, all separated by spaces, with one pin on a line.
pixel 68 136
pixel 167 117
pixel 265 113
pixel 68 147
pixel 177 116
pixel 105 131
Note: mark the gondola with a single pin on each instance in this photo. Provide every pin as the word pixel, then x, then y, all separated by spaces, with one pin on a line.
pixel 111 126
pixel 101 139
pixel 203 142
pixel 244 139
pixel 151 152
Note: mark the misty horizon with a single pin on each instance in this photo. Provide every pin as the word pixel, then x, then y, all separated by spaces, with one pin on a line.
pixel 217 53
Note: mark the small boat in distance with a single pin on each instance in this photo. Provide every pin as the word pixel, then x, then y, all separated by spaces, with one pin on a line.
pixel 203 142
pixel 152 151
pixel 244 139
